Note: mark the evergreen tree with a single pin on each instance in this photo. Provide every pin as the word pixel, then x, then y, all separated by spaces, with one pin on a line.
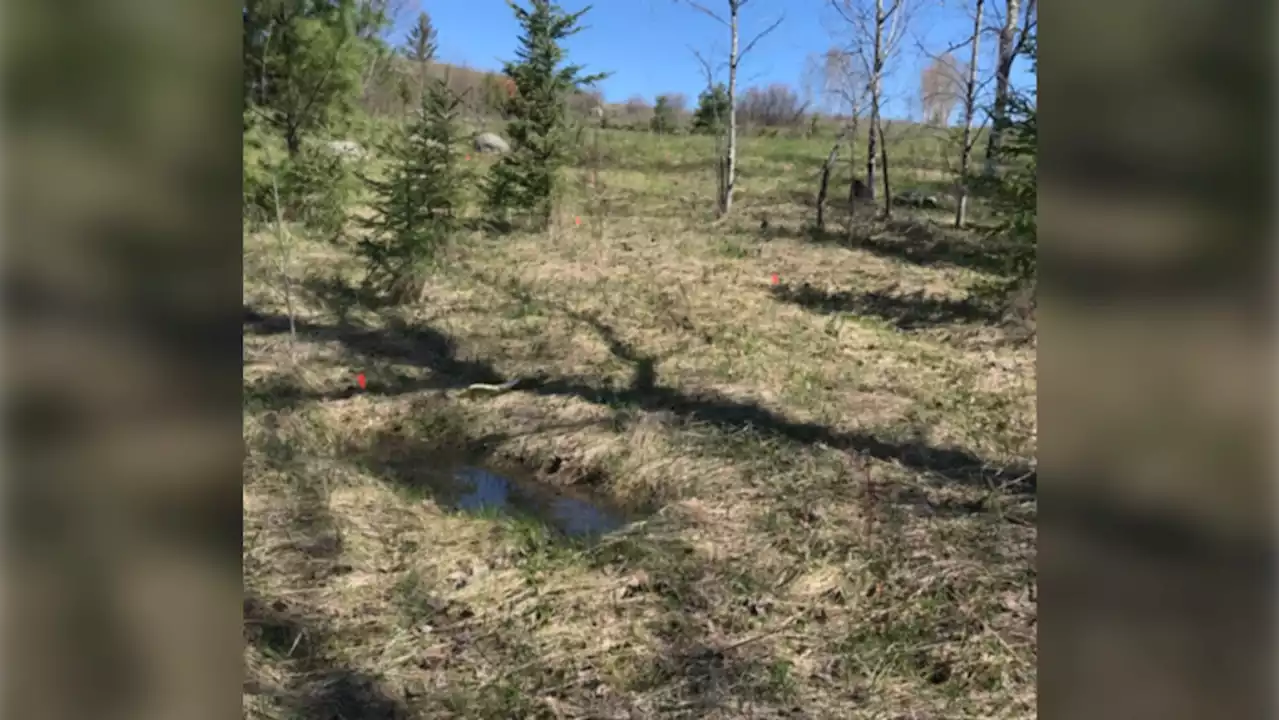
pixel 404 90
pixel 302 61
pixel 419 49
pixel 421 46
pixel 315 189
pixel 1013 191
pixel 664 116
pixel 713 110
pixel 493 97
pixel 524 179
pixel 417 208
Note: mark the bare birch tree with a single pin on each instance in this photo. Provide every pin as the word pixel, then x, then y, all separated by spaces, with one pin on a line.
pixel 716 123
pixel 876 28
pixel 970 100
pixel 843 81
pixel 1008 49
pixel 941 89
pixel 845 87
pixel 730 160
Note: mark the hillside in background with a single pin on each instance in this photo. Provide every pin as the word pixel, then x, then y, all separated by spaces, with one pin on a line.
pixel 397 78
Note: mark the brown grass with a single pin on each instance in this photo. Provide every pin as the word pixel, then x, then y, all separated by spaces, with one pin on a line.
pixel 834 478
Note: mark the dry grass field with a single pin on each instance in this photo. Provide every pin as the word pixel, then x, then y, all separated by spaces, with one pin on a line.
pixel 700 494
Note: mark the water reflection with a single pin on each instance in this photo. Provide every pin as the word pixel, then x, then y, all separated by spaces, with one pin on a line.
pixel 475 489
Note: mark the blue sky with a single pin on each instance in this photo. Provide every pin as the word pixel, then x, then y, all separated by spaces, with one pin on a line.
pixel 645 43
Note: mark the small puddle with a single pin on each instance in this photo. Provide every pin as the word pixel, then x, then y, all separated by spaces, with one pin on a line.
pixel 473 489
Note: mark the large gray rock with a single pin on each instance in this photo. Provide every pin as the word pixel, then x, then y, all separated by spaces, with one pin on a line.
pixel 490 143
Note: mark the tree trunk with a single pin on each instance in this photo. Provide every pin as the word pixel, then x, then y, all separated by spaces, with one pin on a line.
pixel 884 171
pixel 871 148
pixel 1004 66
pixel 966 138
pixel 820 223
pixel 731 157
pixel 853 175
pixel 720 166
pixel 293 140
pixel 826 177
pixel 877 65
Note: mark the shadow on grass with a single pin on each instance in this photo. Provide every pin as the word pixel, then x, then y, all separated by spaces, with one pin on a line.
pixel 918 241
pixel 339 296
pixel 906 312
pixel 838 195
pixel 315 540
pixel 302 644
pixel 728 414
pixel 428 348
pixel 295 637
pixel 949 464
pixel 399 343
pixel 321 688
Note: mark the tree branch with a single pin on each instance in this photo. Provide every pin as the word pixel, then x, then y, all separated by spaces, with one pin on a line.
pixel 707 70
pixel 949 49
pixel 1028 24
pixel 899 15
pixel 758 37
pixel 706 11
pixel 835 4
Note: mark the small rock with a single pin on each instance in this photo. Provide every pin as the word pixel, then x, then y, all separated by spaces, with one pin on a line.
pixel 915 198
pixel 346 148
pixel 490 143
